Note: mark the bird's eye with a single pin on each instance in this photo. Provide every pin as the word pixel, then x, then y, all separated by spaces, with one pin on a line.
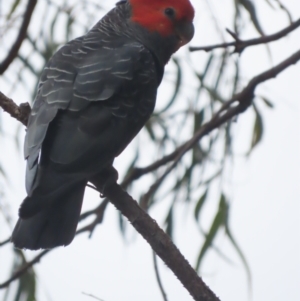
pixel 170 12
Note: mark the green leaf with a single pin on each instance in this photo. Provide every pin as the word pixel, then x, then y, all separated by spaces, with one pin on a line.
pixel 211 178
pixel 52 26
pixel 149 129
pixel 283 7
pixel 198 153
pixel 122 224
pixel 198 120
pixel 125 184
pixel 228 140
pixel 207 66
pixel 2 172
pixel 221 69
pixel 169 222
pixel 17 137
pixel 183 182
pixel 202 76
pixel 270 4
pixel 236 78
pixel 70 22
pixel 27 64
pixel 199 205
pixel 257 129
pixel 267 102
pixel 177 86
pixel 26 287
pixel 240 253
pixel 13 8
pixel 217 223
pixel 238 250
pixel 250 7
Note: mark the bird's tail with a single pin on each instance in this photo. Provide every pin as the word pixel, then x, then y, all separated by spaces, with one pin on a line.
pixel 49 216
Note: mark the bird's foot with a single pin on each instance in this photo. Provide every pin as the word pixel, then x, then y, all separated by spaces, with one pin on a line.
pixel 104 179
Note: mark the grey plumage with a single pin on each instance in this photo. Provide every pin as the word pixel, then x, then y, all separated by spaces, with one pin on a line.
pixel 94 96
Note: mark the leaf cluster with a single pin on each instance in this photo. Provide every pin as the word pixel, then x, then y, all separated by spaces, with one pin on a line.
pixel 197 91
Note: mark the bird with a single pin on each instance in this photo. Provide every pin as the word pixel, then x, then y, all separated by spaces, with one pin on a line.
pixel 94 95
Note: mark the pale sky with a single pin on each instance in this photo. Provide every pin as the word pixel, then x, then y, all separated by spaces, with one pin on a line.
pixel 265 206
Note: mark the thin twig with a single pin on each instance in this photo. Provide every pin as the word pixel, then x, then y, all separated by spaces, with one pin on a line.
pixel 37 258
pixel 164 295
pixel 158 240
pixel 225 113
pixel 137 172
pixel 240 45
pixel 92 296
pixel 24 268
pixel 4 242
pixel 20 113
pixel 13 52
pixel 146 226
pixel 99 212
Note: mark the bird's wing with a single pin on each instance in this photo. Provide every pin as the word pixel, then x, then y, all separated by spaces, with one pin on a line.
pixel 83 71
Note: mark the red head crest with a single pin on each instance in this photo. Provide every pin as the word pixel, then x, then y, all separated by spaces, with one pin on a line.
pixel 162 16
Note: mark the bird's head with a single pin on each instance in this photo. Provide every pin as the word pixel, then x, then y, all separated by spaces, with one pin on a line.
pixel 165 17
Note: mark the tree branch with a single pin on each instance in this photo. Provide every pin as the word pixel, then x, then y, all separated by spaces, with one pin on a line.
pixel 3 243
pixel 159 241
pixel 21 113
pixel 24 268
pixel 140 220
pixel 156 237
pixel 238 104
pixel 37 258
pixel 240 45
pixel 21 36
pixel 138 172
pixel 99 212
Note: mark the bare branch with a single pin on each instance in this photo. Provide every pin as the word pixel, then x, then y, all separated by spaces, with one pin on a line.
pixel 20 113
pixel 229 110
pixel 240 45
pixel 36 259
pixel 159 241
pixel 244 98
pixel 137 172
pixel 142 222
pixel 24 268
pixel 21 36
pixel 99 212
pixel 244 103
pixel 4 242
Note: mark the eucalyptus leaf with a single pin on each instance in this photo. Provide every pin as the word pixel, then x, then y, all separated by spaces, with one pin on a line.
pixel 250 7
pixel 169 221
pixel 177 86
pixel 258 129
pixel 26 284
pixel 13 8
pixel 199 205
pixel 268 102
pixel 216 225
pixel 285 9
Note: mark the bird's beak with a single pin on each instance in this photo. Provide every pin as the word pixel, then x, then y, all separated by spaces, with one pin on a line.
pixel 185 32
